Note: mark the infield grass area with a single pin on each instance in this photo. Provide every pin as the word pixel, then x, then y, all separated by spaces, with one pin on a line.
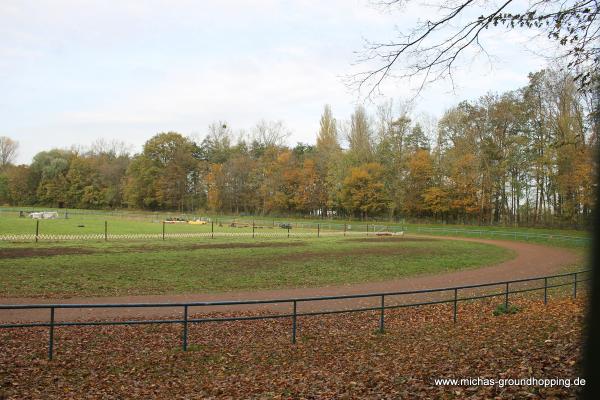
pixel 225 264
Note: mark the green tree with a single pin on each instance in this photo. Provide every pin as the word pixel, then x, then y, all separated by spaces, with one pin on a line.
pixel 162 175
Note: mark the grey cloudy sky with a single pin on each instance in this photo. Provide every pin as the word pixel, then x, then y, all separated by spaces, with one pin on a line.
pixel 75 71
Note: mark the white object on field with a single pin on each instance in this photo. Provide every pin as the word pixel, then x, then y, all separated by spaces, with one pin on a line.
pixel 44 215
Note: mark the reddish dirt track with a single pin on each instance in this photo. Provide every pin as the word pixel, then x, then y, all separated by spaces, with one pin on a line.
pixel 531 260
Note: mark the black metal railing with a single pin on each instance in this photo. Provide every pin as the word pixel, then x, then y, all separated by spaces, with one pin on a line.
pixel 293 302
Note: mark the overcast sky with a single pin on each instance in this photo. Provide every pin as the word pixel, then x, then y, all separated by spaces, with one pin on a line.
pixel 75 71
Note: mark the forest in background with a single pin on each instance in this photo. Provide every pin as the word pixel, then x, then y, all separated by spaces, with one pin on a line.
pixel 523 157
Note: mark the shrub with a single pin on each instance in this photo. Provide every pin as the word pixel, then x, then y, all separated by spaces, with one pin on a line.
pixel 501 309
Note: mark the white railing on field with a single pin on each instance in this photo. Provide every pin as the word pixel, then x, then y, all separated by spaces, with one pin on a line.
pixel 160 236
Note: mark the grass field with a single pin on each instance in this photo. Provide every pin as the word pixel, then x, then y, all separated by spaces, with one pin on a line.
pixel 217 265
pixel 124 222
pixel 204 265
pixel 82 224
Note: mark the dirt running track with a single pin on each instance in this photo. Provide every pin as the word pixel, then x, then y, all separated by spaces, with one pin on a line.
pixel 531 260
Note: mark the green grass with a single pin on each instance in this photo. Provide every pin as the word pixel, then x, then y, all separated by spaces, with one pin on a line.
pixel 547 237
pixel 10 223
pixel 149 216
pixel 92 222
pixel 189 266
pixel 120 267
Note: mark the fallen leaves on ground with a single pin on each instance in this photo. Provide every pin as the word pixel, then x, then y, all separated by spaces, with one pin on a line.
pixel 336 356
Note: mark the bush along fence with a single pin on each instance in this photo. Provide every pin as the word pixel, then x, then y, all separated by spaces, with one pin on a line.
pixel 278 229
pixel 457 294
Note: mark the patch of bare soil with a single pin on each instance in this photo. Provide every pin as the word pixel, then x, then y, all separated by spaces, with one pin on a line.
pixel 377 239
pixel 198 246
pixel 23 252
pixel 362 251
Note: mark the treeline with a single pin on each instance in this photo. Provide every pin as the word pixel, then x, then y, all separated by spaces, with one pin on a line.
pixel 523 157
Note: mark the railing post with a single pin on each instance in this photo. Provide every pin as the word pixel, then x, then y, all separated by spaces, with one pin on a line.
pixel 212 229
pixel 575 285
pixel 545 290
pixel 294 323
pixel 455 303
pixel 344 230
pixel 252 229
pixel 105 231
pixel 185 328
pixel 382 316
pixel 506 297
pixel 163 232
pixel 37 229
pixel 51 338
pixel 318 230
pixel 288 228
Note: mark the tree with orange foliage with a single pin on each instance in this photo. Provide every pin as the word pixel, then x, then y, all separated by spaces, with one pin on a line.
pixel 420 174
pixel 363 193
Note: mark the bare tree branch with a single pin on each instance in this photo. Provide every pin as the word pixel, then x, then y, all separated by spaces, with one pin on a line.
pixel 429 53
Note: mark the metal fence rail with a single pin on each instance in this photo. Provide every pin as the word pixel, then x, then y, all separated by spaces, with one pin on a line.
pixel 576 277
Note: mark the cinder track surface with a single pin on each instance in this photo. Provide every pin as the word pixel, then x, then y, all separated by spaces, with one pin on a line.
pixel 531 260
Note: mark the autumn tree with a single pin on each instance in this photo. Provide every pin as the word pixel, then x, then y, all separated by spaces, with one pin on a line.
pixel 436 200
pixel 524 156
pixel 309 195
pixel 328 159
pixel 363 192
pixel 327 137
pixel 19 186
pixel 391 153
pixel 360 137
pixel 419 178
